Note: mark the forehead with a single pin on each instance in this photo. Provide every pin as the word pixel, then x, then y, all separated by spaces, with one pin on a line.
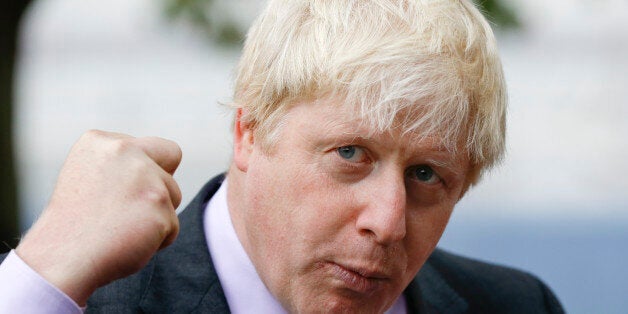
pixel 330 120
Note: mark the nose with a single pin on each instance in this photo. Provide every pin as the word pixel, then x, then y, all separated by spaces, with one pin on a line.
pixel 383 215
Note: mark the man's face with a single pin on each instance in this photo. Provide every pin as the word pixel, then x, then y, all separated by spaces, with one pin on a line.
pixel 336 218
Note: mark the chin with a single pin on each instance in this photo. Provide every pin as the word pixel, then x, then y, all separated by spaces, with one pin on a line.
pixel 343 304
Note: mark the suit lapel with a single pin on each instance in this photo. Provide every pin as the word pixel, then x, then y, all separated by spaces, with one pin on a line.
pixel 430 293
pixel 183 278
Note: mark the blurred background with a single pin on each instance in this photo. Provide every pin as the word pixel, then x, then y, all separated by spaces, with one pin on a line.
pixel 557 207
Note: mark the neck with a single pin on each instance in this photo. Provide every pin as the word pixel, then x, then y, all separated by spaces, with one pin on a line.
pixel 236 203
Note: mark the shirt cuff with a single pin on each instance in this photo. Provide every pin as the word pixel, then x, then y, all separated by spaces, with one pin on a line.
pixel 23 290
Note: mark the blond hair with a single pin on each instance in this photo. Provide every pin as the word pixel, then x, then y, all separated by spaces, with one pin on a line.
pixel 424 66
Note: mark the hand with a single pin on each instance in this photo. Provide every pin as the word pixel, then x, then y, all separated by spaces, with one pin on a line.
pixel 113 207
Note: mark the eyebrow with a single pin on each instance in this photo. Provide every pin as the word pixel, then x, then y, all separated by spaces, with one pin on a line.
pixel 449 165
pixel 439 163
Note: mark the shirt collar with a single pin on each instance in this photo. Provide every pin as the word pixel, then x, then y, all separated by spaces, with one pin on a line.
pixel 244 290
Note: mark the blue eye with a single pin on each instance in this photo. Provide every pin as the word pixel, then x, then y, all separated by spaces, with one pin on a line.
pixel 346 152
pixel 424 174
pixel 352 153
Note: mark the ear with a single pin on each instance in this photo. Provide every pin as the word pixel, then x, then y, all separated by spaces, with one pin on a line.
pixel 243 141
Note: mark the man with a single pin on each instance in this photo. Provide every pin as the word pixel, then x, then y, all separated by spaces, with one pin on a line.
pixel 359 126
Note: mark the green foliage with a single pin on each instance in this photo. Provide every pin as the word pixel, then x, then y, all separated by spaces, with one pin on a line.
pixel 499 13
pixel 216 24
pixel 229 34
pixel 203 14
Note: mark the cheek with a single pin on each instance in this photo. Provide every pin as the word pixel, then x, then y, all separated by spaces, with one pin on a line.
pixel 328 208
pixel 292 222
pixel 290 204
pixel 425 228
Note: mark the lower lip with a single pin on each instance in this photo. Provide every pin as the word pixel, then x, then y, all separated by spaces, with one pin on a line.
pixel 354 281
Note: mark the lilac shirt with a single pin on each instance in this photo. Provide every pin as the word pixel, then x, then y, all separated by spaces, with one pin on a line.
pixel 22 290
pixel 25 291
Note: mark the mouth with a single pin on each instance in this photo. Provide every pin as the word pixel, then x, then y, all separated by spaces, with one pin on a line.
pixel 359 280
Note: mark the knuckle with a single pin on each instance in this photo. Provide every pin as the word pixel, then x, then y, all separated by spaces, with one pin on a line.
pixel 88 138
pixel 173 150
pixel 157 195
pixel 164 226
pixel 122 145
pixel 178 153
pixel 93 133
pixel 171 231
pixel 176 149
pixel 176 194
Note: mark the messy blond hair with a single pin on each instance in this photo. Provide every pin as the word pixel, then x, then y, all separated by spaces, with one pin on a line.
pixel 425 66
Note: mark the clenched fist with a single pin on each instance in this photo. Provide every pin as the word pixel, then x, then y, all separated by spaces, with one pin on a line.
pixel 113 207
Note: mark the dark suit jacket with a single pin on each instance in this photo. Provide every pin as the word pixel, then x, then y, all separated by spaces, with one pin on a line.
pixel 182 279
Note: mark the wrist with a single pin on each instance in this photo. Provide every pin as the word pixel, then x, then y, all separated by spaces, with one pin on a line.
pixel 70 275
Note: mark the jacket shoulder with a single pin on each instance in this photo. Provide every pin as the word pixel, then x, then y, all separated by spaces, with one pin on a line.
pixel 490 288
